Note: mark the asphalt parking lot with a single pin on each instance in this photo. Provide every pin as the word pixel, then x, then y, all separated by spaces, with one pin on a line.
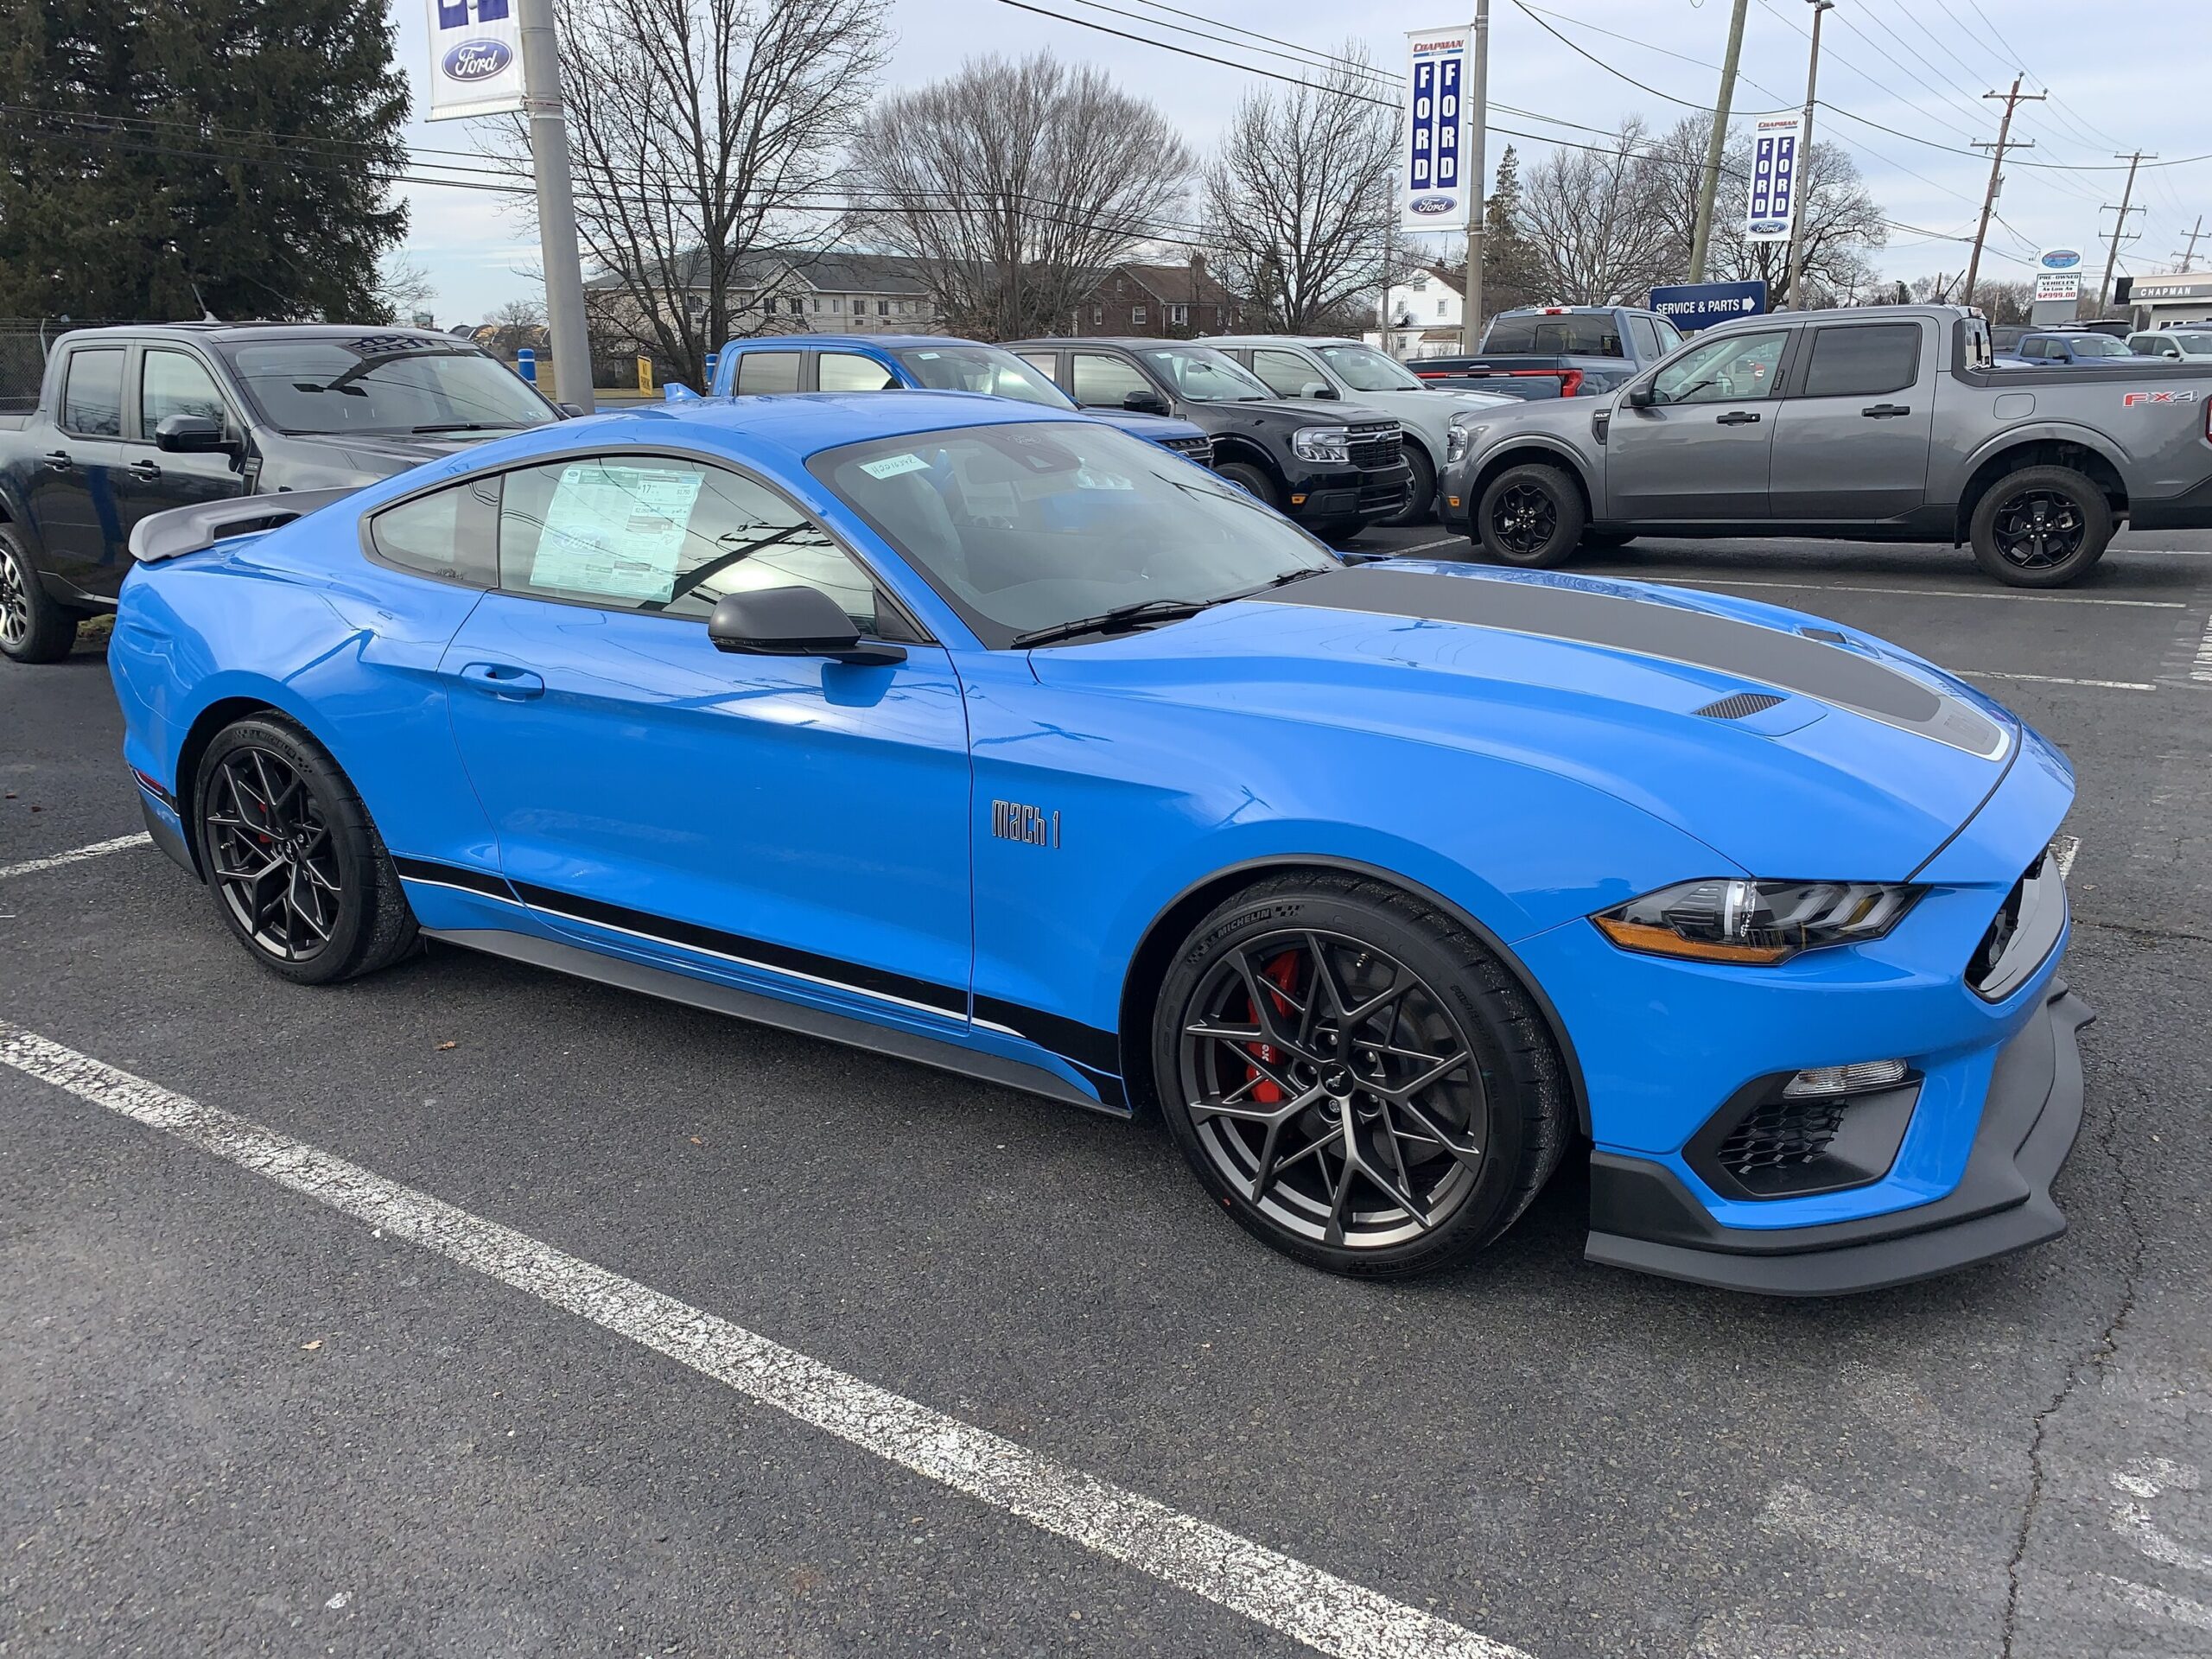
pixel 255 1401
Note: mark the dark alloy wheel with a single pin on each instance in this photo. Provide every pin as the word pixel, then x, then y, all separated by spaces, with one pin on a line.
pixel 1355 1078
pixel 2041 527
pixel 1530 516
pixel 1421 496
pixel 33 626
pixel 297 869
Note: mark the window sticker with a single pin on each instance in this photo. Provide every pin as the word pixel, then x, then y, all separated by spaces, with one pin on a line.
pixel 616 531
pixel 891 465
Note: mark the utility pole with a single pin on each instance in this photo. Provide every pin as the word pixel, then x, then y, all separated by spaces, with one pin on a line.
pixel 1792 268
pixel 557 208
pixel 2013 100
pixel 1715 146
pixel 1470 306
pixel 2189 254
pixel 2119 226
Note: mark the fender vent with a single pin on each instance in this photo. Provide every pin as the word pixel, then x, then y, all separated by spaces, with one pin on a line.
pixel 1827 636
pixel 1738 706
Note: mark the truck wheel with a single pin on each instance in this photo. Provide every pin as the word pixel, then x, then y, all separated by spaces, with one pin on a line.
pixel 1421 499
pixel 2041 527
pixel 1530 516
pixel 35 627
pixel 1254 481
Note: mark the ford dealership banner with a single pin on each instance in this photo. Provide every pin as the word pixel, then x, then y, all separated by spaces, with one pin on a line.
pixel 1433 194
pixel 475 58
pixel 1774 177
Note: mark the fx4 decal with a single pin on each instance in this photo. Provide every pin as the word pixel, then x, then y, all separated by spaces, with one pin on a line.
pixel 2186 395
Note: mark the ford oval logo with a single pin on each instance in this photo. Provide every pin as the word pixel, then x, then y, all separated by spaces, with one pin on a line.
pixel 1434 204
pixel 2060 258
pixel 477 59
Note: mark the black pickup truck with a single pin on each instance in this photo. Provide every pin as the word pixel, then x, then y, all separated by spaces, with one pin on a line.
pixel 1539 352
pixel 129 421
pixel 1335 469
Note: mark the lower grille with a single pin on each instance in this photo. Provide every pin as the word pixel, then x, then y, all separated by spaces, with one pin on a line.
pixel 1778 1137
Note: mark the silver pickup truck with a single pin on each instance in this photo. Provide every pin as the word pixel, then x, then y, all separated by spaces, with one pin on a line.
pixel 1886 424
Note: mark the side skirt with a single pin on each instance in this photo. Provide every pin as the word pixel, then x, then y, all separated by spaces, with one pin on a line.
pixel 769 1011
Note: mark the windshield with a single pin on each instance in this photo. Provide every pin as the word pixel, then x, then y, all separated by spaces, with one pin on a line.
pixel 990 369
pixel 1204 375
pixel 1025 527
pixel 1365 369
pixel 2098 346
pixel 391 383
pixel 2187 345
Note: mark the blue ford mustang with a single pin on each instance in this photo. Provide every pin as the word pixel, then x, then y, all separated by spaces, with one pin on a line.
pixel 1001 740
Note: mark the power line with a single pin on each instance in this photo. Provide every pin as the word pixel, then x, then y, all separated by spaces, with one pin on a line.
pixel 2012 101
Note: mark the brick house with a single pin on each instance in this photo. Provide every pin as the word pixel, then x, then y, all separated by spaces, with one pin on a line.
pixel 1162 301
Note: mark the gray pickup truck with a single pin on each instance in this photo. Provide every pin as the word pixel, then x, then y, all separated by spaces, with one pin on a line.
pixel 1887 424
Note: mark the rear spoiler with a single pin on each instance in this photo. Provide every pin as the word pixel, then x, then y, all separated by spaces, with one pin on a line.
pixel 179 531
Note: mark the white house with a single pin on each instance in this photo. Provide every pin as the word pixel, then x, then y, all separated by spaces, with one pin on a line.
pixel 1421 317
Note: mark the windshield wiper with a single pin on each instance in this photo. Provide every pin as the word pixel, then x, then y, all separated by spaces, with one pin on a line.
pixel 467 426
pixel 1284 579
pixel 1119 619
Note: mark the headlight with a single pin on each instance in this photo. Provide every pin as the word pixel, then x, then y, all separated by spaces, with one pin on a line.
pixel 1461 438
pixel 1322 443
pixel 1758 922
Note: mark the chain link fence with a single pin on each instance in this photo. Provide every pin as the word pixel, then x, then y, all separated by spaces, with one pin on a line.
pixel 24 344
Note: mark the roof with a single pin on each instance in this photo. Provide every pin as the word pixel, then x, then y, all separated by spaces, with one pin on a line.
pixel 1122 342
pixel 1279 340
pixel 232 331
pixel 797 423
pixel 1174 284
pixel 832 271
pixel 880 342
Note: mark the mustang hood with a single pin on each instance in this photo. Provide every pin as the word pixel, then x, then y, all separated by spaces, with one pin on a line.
pixel 1792 747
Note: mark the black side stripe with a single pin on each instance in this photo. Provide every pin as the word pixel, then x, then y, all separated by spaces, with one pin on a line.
pixel 1094 1050
pixel 492 886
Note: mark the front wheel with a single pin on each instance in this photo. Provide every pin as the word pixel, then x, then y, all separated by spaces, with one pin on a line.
pixel 2041 527
pixel 1253 480
pixel 1354 1077
pixel 1531 516
pixel 1420 498
pixel 299 873
pixel 34 626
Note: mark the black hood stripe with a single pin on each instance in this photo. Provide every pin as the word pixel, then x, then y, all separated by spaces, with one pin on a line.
pixel 1653 627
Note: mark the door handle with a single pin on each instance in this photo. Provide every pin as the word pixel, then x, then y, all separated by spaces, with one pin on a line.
pixel 1738 417
pixel 504 680
pixel 60 459
pixel 1883 411
pixel 145 469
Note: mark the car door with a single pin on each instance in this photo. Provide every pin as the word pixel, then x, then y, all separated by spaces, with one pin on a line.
pixel 787 821
pixel 1700 451
pixel 171 381
pixel 852 372
pixel 1851 433
pixel 73 501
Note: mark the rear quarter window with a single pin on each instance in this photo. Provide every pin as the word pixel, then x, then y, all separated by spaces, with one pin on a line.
pixel 450 535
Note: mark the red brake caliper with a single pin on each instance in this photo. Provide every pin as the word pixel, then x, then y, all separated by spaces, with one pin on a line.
pixel 1283 970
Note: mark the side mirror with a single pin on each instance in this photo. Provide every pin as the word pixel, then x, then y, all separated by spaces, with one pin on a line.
pixel 792 622
pixel 572 410
pixel 1640 396
pixel 1322 390
pixel 190 434
pixel 1144 401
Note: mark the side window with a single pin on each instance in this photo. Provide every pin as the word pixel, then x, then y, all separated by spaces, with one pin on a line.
pixel 768 370
pixel 1286 373
pixel 850 371
pixel 1865 361
pixel 448 535
pixel 1646 338
pixel 172 383
pixel 653 533
pixel 1669 336
pixel 1046 363
pixel 1727 370
pixel 1097 381
pixel 92 395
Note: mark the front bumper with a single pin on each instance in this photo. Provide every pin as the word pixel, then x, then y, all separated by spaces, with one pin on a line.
pixel 1642 1216
pixel 1338 493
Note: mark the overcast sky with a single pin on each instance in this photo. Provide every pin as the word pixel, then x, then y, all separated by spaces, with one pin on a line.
pixel 2121 76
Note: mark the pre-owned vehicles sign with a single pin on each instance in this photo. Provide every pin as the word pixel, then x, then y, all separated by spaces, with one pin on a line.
pixel 475 58
pixel 1434 192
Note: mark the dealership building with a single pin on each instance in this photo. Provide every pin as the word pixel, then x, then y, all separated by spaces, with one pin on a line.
pixel 2177 296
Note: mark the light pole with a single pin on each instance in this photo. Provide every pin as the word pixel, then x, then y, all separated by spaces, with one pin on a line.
pixel 556 211
pixel 1792 268
pixel 1477 119
pixel 1716 146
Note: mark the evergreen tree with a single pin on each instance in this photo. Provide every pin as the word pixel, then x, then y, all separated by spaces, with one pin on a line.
pixel 1509 273
pixel 164 155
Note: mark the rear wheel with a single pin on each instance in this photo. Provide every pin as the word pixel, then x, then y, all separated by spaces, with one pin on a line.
pixel 1354 1077
pixel 299 873
pixel 34 626
pixel 2041 527
pixel 1530 516
pixel 1421 499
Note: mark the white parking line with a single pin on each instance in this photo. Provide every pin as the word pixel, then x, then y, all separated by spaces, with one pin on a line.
pixel 2066 849
pixel 2054 679
pixel 2202 669
pixel 1426 547
pixel 1926 593
pixel 1316 1608
pixel 32 867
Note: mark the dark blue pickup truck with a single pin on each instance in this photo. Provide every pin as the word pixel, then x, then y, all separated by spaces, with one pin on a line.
pixel 1557 351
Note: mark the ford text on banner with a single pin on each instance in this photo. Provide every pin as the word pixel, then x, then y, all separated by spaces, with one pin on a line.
pixel 1774 157
pixel 475 58
pixel 1436 196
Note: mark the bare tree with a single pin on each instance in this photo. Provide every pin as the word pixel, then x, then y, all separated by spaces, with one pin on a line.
pixel 706 137
pixel 518 314
pixel 1299 213
pixel 402 287
pixel 1016 184
pixel 1594 229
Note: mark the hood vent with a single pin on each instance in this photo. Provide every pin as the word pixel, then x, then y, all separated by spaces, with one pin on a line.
pixel 1738 706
